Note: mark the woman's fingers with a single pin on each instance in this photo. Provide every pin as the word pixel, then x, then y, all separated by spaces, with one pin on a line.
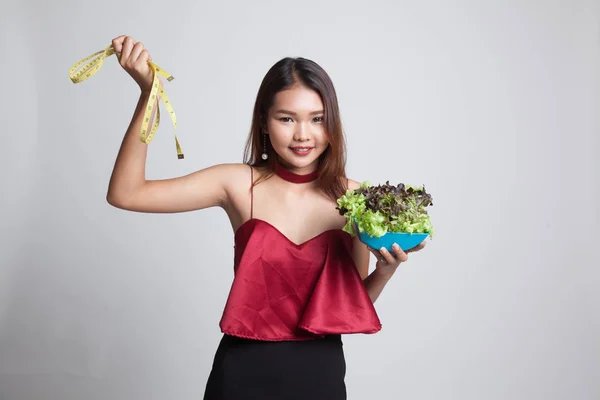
pixel 143 58
pixel 134 58
pixel 123 45
pixel 117 43
pixel 383 255
pixel 377 254
pixel 128 44
pixel 137 50
pixel 416 248
pixel 387 256
pixel 399 254
pixel 396 256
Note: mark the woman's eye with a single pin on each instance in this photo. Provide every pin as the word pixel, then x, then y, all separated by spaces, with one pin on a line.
pixel 288 119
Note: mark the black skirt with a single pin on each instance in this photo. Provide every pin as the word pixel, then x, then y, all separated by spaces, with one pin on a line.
pixel 252 369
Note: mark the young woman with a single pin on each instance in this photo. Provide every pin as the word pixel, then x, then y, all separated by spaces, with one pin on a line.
pixel 300 281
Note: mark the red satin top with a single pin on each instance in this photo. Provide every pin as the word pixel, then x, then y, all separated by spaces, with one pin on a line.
pixel 287 291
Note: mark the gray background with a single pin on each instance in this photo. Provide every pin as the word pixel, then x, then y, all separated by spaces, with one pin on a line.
pixel 493 105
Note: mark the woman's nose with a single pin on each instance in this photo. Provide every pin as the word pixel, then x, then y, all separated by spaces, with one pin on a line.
pixel 302 132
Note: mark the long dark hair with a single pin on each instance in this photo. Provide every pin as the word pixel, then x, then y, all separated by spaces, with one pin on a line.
pixel 283 75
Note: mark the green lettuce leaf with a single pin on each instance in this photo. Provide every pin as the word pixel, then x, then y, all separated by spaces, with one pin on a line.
pixel 379 209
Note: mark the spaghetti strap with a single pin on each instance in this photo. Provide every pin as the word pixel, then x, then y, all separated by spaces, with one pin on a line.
pixel 251 192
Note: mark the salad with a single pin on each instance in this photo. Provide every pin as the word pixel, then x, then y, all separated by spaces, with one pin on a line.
pixel 377 210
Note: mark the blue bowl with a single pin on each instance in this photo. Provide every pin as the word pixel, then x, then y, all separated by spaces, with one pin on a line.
pixel 405 240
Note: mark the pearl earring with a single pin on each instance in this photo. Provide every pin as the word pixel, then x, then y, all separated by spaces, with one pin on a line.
pixel 265 156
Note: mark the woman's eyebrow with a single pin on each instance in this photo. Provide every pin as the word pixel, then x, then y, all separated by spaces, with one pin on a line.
pixel 293 113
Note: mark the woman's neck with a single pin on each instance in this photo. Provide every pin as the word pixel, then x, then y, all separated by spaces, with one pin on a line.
pixel 295 177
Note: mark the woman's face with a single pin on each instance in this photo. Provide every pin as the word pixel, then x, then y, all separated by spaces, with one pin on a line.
pixel 296 128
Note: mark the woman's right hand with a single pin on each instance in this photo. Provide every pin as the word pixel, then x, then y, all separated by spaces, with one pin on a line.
pixel 134 58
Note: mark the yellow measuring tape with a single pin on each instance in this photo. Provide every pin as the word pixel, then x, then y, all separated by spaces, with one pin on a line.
pixel 88 70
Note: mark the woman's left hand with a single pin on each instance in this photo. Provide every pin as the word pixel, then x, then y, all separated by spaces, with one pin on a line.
pixel 387 262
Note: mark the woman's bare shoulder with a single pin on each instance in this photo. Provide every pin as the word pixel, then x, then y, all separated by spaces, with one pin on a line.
pixel 352 184
pixel 239 177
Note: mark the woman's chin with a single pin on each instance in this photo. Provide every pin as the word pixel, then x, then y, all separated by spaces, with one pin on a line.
pixel 301 163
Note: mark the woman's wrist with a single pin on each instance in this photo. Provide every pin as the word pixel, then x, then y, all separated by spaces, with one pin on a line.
pixel 376 281
pixel 385 272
